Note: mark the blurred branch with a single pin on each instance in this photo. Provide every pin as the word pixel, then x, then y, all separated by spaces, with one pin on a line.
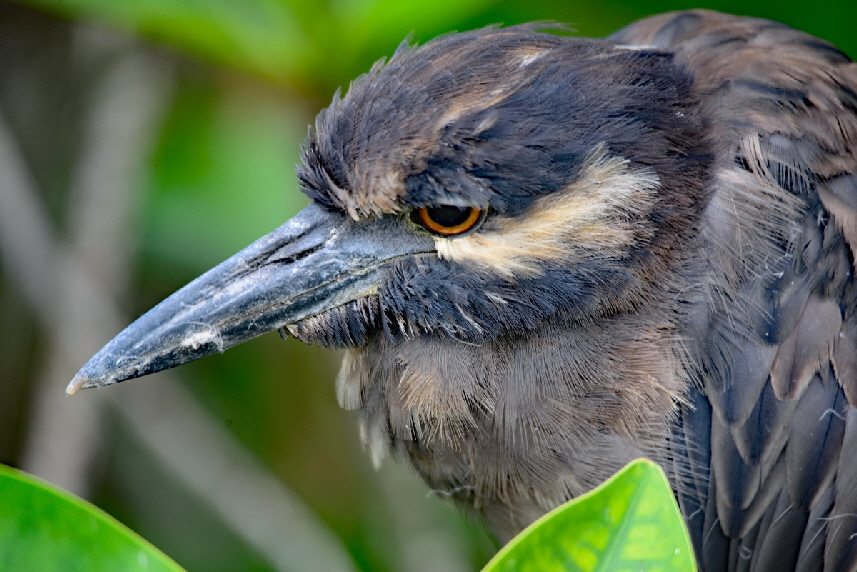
pixel 120 131
pixel 47 275
pixel 73 290
pixel 211 462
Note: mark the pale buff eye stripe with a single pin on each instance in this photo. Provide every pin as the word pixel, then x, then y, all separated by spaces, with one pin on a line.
pixel 599 216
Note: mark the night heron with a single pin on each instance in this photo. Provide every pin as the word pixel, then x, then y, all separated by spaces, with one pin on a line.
pixel 548 256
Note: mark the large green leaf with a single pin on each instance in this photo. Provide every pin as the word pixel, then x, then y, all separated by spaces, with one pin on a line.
pixel 631 522
pixel 45 529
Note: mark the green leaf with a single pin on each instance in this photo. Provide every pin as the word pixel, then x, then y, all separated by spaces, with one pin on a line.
pixel 631 522
pixel 43 528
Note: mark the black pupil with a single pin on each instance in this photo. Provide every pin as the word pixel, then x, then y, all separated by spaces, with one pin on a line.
pixel 448 215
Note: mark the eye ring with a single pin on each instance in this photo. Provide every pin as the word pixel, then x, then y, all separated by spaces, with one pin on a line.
pixel 447 220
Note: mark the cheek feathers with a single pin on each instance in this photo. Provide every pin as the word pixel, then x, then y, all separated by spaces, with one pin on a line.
pixel 600 216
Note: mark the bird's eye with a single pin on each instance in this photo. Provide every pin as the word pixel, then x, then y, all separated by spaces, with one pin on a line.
pixel 447 219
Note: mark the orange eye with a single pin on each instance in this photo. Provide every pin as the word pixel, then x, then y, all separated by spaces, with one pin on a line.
pixel 447 219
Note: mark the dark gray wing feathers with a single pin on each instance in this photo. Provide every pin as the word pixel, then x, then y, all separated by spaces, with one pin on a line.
pixel 777 381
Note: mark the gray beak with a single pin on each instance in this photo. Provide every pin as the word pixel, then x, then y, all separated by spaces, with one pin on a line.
pixel 316 261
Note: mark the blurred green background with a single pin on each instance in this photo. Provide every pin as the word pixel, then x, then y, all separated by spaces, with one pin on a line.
pixel 142 142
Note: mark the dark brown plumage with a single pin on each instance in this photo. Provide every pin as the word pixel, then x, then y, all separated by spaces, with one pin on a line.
pixel 644 246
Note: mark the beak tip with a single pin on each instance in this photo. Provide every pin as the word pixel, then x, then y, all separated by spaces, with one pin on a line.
pixel 77 383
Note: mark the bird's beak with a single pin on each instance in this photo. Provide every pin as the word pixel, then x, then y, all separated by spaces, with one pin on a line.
pixel 316 261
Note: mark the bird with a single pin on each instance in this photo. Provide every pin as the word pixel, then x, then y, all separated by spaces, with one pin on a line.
pixel 546 256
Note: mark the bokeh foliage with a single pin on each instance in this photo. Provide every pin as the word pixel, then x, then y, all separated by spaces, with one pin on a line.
pixel 319 45
pixel 248 76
